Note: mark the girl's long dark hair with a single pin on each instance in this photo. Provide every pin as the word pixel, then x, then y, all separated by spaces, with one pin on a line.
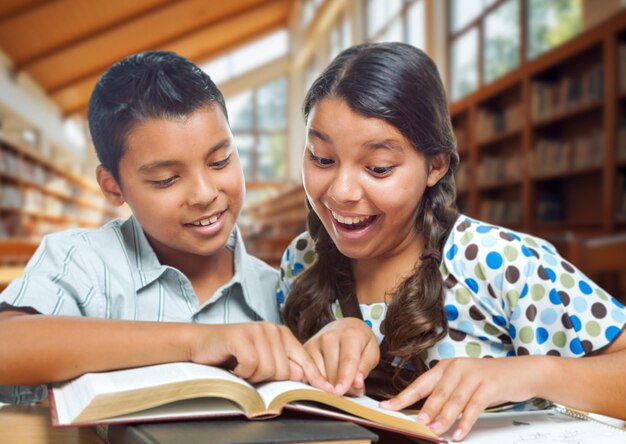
pixel 399 84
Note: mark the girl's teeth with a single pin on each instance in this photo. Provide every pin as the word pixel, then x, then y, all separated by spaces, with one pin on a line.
pixel 349 220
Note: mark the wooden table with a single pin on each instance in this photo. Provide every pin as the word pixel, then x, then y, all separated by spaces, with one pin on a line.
pixel 8 273
pixel 31 424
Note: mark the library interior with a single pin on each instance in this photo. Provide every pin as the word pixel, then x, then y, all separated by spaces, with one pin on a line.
pixel 536 88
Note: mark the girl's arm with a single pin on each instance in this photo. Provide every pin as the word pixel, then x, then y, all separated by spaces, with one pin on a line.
pixel 38 349
pixel 469 385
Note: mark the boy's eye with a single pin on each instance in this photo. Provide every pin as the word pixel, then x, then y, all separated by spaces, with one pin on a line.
pixel 381 171
pixel 221 163
pixel 321 161
pixel 163 183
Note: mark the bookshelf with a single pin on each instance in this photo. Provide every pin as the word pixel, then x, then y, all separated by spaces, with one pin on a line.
pixel 548 152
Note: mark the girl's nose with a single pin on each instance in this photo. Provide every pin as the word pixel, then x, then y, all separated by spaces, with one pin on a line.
pixel 345 188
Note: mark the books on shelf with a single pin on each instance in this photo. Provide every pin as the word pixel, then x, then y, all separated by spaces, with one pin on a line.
pixel 187 390
pixel 621 68
pixel 550 207
pixel 501 211
pixel 493 121
pixel 493 169
pixel 557 155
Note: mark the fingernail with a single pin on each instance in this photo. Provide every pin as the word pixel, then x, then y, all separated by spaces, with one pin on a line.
pixel 423 417
pixel 457 434
pixel 339 389
pixel 359 380
pixel 435 426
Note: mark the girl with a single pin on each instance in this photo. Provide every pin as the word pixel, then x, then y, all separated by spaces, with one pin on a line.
pixel 436 289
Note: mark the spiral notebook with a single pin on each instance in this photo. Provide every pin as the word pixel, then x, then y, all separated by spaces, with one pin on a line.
pixel 556 424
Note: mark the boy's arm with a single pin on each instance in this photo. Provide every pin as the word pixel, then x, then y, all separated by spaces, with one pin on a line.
pixel 38 349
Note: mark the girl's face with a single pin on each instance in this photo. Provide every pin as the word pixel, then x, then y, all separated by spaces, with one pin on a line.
pixel 364 180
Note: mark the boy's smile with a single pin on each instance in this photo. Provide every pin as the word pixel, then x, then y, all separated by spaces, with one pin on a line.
pixel 182 179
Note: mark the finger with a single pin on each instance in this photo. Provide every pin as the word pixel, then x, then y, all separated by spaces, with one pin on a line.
pixel 296 373
pixel 369 360
pixel 309 363
pixel 418 389
pixel 348 361
pixel 330 349
pixel 477 404
pixel 265 368
pixel 247 359
pixel 451 408
pixel 282 367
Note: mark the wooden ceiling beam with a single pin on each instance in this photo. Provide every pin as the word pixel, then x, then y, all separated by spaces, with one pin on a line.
pixel 267 6
pixel 22 8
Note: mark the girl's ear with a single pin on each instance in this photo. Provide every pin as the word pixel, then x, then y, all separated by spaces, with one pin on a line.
pixel 437 168
pixel 109 186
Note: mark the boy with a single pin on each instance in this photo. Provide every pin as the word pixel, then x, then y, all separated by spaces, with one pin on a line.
pixel 160 129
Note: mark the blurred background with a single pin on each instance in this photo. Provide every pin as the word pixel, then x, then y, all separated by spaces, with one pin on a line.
pixel 537 92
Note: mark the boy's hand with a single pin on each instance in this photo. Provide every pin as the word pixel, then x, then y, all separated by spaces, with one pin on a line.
pixel 345 351
pixel 468 386
pixel 257 351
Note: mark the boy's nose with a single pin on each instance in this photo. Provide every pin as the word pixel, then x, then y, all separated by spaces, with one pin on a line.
pixel 202 192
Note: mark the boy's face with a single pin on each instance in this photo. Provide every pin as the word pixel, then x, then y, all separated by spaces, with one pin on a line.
pixel 183 181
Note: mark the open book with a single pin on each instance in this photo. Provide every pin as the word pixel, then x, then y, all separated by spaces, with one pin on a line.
pixel 186 390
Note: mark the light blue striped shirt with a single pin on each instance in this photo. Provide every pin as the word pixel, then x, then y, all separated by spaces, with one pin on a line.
pixel 113 272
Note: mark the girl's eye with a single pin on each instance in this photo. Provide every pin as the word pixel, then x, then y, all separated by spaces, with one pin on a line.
pixel 381 171
pixel 163 183
pixel 321 161
pixel 220 164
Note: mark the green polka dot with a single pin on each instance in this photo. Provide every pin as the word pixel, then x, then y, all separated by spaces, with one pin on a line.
pixel 463 296
pixel 526 335
pixel 567 280
pixel 338 312
pixel 480 272
pixel 491 330
pixel 513 297
pixel 309 257
pixel 443 269
pixel 510 253
pixel 530 241
pixel 601 294
pixel 559 339
pixel 537 292
pixel 467 238
pixel 377 311
pixel 473 349
pixel 289 272
pixel 593 328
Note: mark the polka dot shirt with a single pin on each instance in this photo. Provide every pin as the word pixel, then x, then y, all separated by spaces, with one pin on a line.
pixel 506 294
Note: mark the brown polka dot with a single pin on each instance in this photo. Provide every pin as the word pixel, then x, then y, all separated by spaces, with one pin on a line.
pixel 301 244
pixel 541 272
pixel 534 252
pixel 598 310
pixel 506 236
pixel 282 273
pixel 464 226
pixel 456 335
pixel 488 356
pixel 522 351
pixel 553 353
pixel 505 339
pixel 564 295
pixel 450 281
pixel 491 292
pixel 567 266
pixel 471 251
pixel 476 314
pixel 512 274
pixel 587 346
pixel 531 312
pixel 566 321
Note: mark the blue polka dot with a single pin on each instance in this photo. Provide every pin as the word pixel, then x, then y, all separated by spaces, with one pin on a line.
pixel 584 287
pixel 517 311
pixel 526 251
pixel 494 260
pixel 547 249
pixel 467 327
pixel 551 274
pixel 554 297
pixel 452 252
pixel 513 235
pixel 524 292
pixel 280 296
pixel 297 268
pixel 496 348
pixel 483 229
pixel 550 260
pixel 542 335
pixel 459 267
pixel 446 350
pixel 497 280
pixel 483 338
pixel 618 315
pixel 576 346
pixel 616 302
pixel 369 323
pixel 512 331
pixel 576 322
pixel 611 333
pixel 580 304
pixel 548 316
pixel 287 253
pixel 510 353
pixel 488 241
pixel 499 320
pixel 472 284
pixel 451 312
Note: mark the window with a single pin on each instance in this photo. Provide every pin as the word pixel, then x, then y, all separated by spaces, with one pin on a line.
pixel 258 122
pixel 464 66
pixel 339 37
pixel 552 23
pixel 502 40
pixel 395 21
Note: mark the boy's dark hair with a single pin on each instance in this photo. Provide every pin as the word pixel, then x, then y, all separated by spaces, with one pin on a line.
pixel 399 84
pixel 144 86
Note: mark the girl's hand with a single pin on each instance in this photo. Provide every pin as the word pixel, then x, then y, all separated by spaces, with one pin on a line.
pixel 467 386
pixel 345 351
pixel 256 351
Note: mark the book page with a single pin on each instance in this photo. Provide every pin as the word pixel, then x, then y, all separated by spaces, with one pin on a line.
pixel 539 427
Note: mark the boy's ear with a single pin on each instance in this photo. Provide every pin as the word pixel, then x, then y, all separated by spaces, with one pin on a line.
pixel 437 168
pixel 109 186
